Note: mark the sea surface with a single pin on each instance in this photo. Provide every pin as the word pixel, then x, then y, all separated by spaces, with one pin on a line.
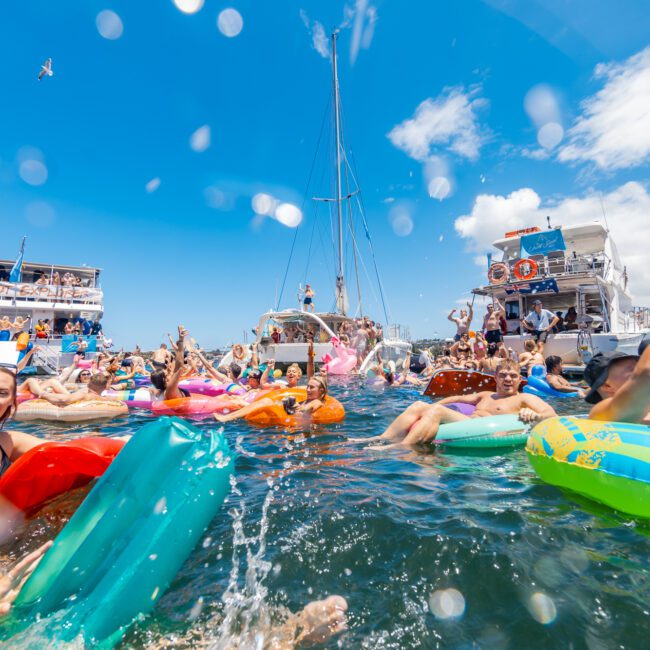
pixel 431 549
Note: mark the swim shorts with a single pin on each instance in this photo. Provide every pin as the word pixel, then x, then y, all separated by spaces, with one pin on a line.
pixel 540 335
pixel 493 336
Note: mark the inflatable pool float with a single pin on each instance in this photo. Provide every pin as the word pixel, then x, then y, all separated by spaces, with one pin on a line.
pixel 275 414
pixel 494 431
pixel 85 411
pixel 193 406
pixel 202 386
pixel 123 546
pixel 53 468
pixel 537 385
pixel 608 462
pixel 139 398
pixel 448 382
pixel 343 363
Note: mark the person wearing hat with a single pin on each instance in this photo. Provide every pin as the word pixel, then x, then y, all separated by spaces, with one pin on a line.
pixel 619 386
pixel 539 323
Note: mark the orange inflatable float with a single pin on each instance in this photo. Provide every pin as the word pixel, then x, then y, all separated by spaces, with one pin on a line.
pixel 84 411
pixel 275 414
pixel 53 468
pixel 449 382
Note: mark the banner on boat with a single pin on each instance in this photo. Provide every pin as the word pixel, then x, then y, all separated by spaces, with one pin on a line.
pixel 70 343
pixel 50 293
pixel 542 243
pixel 542 286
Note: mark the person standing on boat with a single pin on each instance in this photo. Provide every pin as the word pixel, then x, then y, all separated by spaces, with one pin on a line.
pixel 491 322
pixel 540 323
pixel 308 300
pixel 462 322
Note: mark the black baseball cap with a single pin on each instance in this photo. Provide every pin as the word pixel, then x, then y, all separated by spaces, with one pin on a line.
pixel 597 370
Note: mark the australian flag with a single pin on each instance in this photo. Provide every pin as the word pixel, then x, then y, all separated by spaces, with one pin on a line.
pixel 541 286
pixel 17 269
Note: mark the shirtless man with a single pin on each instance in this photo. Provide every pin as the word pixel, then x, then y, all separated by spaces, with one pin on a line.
pixel 530 357
pixel 555 379
pixel 463 322
pixel 620 387
pixel 98 383
pixel 420 422
pixel 161 356
pixel 491 323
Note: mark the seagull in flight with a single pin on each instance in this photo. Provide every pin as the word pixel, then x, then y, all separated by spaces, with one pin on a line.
pixel 46 69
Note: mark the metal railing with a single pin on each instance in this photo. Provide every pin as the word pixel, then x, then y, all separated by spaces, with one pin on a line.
pixel 25 292
pixel 565 265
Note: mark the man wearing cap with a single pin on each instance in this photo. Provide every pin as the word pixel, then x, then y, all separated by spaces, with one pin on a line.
pixel 539 323
pixel 619 386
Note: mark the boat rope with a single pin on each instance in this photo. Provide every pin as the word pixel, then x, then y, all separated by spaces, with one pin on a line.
pixel 304 201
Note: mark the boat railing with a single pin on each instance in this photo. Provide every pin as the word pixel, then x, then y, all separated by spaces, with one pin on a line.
pixel 31 292
pixel 558 264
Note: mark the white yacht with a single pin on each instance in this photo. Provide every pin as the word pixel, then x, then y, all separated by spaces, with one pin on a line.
pixel 296 323
pixel 35 297
pixel 573 268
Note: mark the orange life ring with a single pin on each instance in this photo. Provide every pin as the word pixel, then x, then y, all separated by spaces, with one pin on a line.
pixel 532 269
pixel 501 267
pixel 275 415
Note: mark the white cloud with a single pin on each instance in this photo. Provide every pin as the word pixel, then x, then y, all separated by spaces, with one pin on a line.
pixel 448 121
pixel 627 209
pixel 319 40
pixel 614 129
pixel 363 27
pixel 201 138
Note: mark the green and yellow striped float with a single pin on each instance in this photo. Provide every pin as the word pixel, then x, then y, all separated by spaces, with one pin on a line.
pixel 605 461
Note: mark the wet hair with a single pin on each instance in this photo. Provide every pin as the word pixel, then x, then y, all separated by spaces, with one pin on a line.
pixel 222 369
pixel 492 349
pixel 552 362
pixel 296 368
pixel 323 383
pixel 9 411
pixel 159 379
pixel 235 368
pixel 255 374
pixel 530 345
pixel 389 376
pixel 507 364
pixel 99 380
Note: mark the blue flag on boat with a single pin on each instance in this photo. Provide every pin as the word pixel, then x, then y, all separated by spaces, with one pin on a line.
pixel 542 243
pixel 17 268
pixel 541 286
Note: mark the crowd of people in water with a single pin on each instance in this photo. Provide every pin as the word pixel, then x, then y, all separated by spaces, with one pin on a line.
pixel 616 387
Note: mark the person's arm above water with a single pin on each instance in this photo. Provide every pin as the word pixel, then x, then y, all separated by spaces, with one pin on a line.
pixel 171 391
pixel 561 385
pixel 171 340
pixel 470 314
pixel 632 401
pixel 534 409
pixel 473 398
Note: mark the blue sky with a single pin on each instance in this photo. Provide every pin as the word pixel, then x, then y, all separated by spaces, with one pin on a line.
pixel 464 120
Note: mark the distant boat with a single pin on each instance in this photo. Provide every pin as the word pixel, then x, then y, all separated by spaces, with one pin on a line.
pixel 325 325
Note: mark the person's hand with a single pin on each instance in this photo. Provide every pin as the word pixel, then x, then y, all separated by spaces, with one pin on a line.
pixel 271 363
pixel 528 416
pixel 13 581
pixel 453 311
pixel 182 332
pixel 470 306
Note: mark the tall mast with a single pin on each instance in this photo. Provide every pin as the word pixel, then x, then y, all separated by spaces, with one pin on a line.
pixel 340 282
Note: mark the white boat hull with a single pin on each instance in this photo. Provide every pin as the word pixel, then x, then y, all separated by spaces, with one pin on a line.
pixel 565 344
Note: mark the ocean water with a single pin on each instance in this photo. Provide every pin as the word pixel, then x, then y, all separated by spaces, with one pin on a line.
pixel 431 549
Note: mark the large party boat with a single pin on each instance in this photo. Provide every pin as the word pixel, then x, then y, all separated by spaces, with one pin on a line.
pixel 295 327
pixel 577 273
pixel 54 293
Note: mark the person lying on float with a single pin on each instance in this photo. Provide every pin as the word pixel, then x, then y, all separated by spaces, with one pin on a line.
pixel 620 386
pixel 420 422
pixel 556 380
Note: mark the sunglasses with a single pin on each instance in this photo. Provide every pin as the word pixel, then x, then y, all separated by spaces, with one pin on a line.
pixel 84 374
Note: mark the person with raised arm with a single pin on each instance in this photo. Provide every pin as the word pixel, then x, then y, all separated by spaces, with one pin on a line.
pixel 166 381
pixel 462 322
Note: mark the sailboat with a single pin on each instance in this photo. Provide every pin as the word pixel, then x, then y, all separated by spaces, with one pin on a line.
pixel 296 324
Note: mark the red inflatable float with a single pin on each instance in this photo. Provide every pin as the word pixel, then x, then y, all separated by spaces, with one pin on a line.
pixel 53 468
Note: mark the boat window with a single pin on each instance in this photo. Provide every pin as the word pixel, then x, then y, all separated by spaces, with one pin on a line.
pixel 512 310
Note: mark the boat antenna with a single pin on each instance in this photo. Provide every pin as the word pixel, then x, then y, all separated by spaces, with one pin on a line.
pixel 548 221
pixel 340 281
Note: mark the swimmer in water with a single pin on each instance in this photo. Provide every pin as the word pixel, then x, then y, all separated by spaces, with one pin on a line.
pixel 420 422
pixel 531 356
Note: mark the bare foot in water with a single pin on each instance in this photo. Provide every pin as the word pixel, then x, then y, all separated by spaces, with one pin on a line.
pixel 322 619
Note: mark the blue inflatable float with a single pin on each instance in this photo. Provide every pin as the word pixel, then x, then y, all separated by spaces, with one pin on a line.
pixel 121 549
pixel 537 385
